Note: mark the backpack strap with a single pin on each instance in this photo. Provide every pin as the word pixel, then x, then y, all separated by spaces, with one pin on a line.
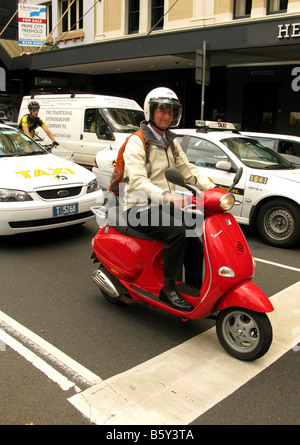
pixel 146 143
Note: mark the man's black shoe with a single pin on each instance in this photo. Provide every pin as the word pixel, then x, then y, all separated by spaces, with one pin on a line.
pixel 175 300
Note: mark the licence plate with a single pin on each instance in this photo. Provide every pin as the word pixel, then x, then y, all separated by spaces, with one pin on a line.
pixel 69 209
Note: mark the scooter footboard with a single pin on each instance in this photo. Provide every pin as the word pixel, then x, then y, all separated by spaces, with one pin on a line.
pixel 246 295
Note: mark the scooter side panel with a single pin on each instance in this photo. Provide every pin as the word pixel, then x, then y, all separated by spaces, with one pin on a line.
pixel 225 246
pixel 117 250
pixel 246 295
pixel 126 257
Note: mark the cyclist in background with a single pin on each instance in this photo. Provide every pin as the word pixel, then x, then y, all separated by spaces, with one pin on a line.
pixel 31 121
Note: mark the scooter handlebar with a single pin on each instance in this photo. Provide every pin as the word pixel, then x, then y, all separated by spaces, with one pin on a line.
pixel 195 204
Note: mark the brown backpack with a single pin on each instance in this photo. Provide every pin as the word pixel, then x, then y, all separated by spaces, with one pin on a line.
pixel 118 173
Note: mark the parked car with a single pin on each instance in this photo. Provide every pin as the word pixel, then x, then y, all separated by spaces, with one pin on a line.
pixel 277 142
pixel 268 193
pixel 6 121
pixel 39 190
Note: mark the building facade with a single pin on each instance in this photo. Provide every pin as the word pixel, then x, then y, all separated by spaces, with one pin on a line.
pixel 128 47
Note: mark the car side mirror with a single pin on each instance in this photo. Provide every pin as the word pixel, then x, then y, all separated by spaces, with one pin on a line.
pixel 223 165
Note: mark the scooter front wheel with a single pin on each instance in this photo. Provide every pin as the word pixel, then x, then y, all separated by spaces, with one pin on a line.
pixel 244 334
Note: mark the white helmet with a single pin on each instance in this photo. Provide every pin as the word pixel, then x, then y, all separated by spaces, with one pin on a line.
pixel 162 97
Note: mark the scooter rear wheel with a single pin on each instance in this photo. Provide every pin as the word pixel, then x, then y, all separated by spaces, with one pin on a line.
pixel 112 300
pixel 244 334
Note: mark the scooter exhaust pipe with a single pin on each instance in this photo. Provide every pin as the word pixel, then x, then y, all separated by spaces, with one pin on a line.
pixel 104 283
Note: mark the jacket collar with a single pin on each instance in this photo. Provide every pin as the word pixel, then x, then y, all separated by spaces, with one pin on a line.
pixel 148 134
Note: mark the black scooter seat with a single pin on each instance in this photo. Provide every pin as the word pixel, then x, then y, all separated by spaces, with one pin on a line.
pixel 119 223
pixel 132 232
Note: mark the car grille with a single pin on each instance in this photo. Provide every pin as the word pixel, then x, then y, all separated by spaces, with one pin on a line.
pixel 61 193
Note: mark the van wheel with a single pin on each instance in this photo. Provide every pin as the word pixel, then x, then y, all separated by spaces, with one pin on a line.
pixel 278 223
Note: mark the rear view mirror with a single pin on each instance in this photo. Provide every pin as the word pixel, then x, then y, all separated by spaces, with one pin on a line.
pixel 176 178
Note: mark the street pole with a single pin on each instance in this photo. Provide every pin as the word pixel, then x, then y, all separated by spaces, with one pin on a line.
pixel 203 80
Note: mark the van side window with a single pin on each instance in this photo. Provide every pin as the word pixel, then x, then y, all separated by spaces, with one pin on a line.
pixel 94 123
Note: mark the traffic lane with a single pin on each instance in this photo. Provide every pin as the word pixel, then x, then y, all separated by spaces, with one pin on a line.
pixel 288 257
pixel 272 278
pixel 48 289
pixel 270 398
pixel 30 397
pixel 39 276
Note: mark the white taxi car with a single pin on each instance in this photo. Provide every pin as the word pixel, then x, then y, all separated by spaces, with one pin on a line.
pixel 278 142
pixel 267 197
pixel 39 190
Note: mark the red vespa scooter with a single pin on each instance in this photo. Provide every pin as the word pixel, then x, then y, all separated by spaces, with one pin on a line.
pixel 131 269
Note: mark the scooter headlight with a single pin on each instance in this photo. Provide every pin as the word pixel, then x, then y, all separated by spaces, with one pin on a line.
pixel 227 201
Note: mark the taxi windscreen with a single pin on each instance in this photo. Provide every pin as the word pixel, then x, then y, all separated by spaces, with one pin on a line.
pixel 15 143
pixel 255 155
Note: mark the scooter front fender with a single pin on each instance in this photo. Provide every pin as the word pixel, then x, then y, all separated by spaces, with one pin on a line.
pixel 246 295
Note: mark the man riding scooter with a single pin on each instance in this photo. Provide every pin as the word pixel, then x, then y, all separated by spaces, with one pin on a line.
pixel 148 194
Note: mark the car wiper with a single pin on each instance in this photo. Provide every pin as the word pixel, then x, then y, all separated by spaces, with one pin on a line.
pixel 276 167
pixel 30 154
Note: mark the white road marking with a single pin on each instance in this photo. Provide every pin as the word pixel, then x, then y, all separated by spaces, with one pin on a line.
pixel 278 264
pixel 179 385
pixel 39 363
pixel 77 372
pixel 173 388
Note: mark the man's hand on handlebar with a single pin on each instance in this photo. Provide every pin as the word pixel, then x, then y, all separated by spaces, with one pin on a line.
pixel 176 201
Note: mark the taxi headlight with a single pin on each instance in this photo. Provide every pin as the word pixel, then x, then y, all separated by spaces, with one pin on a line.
pixel 227 201
pixel 7 195
pixel 93 186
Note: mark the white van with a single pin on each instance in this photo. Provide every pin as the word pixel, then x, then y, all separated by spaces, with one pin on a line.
pixel 86 123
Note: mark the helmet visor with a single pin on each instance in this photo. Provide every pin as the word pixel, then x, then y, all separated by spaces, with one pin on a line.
pixel 167 105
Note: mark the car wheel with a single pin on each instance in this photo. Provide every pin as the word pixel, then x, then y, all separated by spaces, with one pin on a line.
pixel 278 223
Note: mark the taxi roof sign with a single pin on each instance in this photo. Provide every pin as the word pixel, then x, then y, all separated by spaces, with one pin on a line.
pixel 217 125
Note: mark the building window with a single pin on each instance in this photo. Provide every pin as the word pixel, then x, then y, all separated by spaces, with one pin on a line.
pixel 73 19
pixel 49 18
pixel 133 16
pixel 276 6
pixel 242 8
pixel 6 12
pixel 157 9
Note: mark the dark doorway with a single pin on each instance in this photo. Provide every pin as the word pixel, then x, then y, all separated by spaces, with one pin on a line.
pixel 260 106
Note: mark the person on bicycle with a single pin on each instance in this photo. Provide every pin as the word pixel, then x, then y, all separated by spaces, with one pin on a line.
pixel 30 122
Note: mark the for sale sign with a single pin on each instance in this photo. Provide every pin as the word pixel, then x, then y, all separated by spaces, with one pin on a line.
pixel 32 25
